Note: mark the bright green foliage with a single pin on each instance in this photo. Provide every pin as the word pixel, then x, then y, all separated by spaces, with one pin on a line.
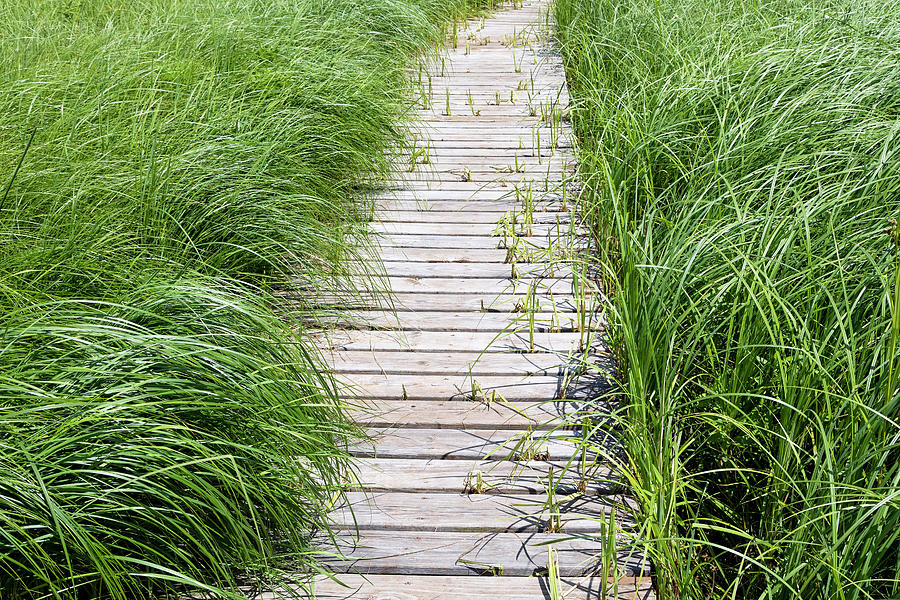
pixel 742 167
pixel 163 163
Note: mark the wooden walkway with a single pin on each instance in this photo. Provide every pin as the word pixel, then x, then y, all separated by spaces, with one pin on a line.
pixel 474 392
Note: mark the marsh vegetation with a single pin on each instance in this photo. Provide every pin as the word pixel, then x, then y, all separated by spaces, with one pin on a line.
pixel 741 163
pixel 165 165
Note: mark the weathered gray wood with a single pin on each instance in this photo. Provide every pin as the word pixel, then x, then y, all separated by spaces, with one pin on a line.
pixel 474 302
pixel 490 201
pixel 460 553
pixel 440 151
pixel 478 285
pixel 502 141
pixel 457 321
pixel 485 176
pixel 467 444
pixel 469 414
pixel 507 303
pixel 391 511
pixel 491 209
pixel 474 242
pixel 422 217
pixel 451 363
pixel 477 270
pixel 446 255
pixel 489 476
pixel 454 341
pixel 465 188
pixel 432 587
pixel 538 230
pixel 512 388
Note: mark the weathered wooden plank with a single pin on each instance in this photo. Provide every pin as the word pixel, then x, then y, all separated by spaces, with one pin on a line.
pixel 456 321
pixel 467 444
pixel 538 230
pixel 486 91
pixel 478 142
pixel 487 477
pixel 403 301
pixel 456 341
pixel 533 177
pixel 489 201
pixel 457 179
pixel 477 285
pixel 469 217
pixel 444 255
pixel 469 414
pixel 461 553
pixel 435 196
pixel 451 363
pixel 485 170
pixel 480 209
pixel 474 242
pixel 487 109
pixel 465 188
pixel 474 270
pixel 431 587
pixel 511 388
pixel 392 511
pixel 474 302
pixel 521 141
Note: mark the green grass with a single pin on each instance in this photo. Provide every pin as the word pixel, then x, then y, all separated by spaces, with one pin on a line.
pixel 168 169
pixel 741 162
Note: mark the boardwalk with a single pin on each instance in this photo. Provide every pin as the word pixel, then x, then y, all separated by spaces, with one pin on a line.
pixel 471 392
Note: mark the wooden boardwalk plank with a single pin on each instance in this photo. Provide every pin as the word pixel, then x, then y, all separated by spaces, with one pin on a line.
pixel 467 444
pixel 474 302
pixel 414 475
pixel 453 341
pixel 444 217
pixel 511 388
pixel 392 511
pixel 469 414
pixel 479 285
pixel 432 587
pixel 538 230
pixel 462 553
pixel 482 242
pixel 455 255
pixel 453 363
pixel 449 321
pixel 474 270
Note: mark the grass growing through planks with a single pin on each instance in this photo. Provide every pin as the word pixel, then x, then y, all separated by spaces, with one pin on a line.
pixel 741 164
pixel 170 171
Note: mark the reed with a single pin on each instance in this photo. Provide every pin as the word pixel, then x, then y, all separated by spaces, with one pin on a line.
pixel 741 162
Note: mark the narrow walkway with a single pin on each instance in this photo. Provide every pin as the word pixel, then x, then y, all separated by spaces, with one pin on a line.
pixel 474 392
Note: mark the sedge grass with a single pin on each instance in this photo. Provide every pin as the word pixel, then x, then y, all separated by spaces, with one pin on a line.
pixel 741 163
pixel 168 168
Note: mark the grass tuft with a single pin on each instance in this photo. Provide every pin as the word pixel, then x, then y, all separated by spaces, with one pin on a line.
pixel 170 172
pixel 741 163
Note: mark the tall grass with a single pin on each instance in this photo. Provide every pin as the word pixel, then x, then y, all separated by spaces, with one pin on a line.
pixel 164 164
pixel 742 169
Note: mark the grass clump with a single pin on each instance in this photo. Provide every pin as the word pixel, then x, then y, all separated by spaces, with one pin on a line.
pixel 166 167
pixel 742 171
